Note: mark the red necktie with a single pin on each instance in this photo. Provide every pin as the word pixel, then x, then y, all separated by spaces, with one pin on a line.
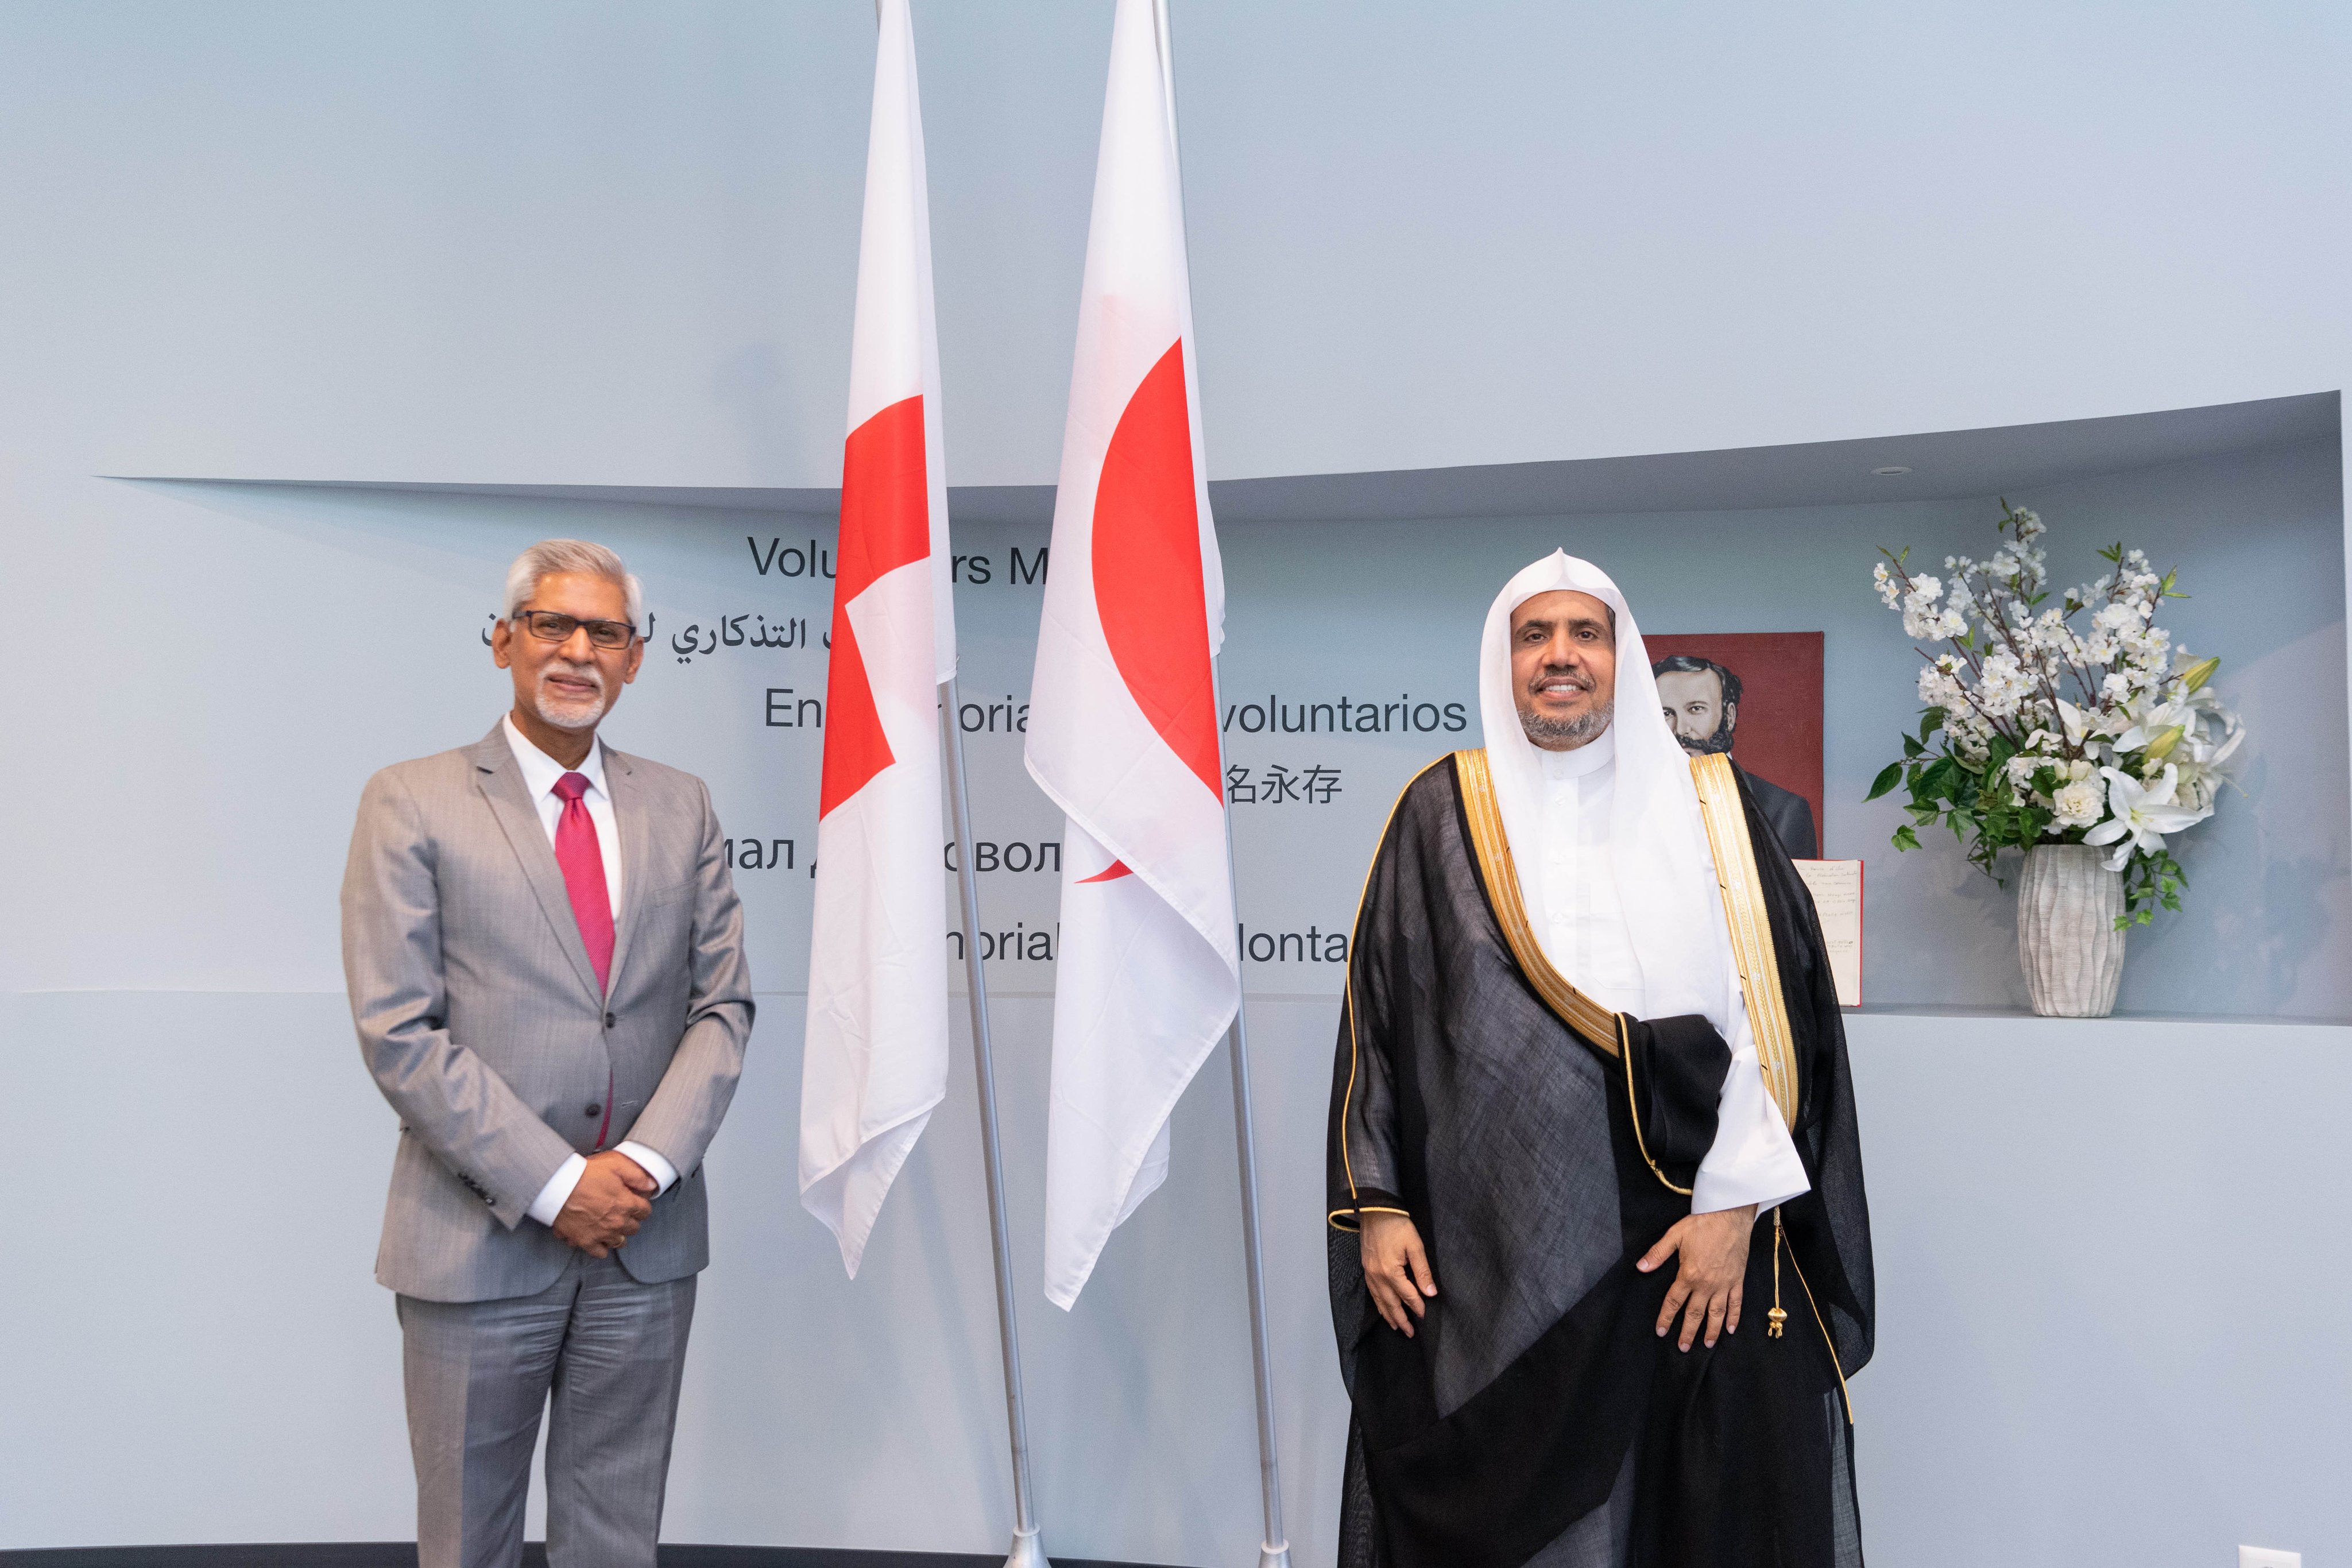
pixel 581 859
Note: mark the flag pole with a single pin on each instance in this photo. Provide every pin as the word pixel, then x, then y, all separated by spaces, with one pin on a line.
pixel 1028 1552
pixel 1273 1548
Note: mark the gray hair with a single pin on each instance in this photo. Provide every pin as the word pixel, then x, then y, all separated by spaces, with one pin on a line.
pixel 549 557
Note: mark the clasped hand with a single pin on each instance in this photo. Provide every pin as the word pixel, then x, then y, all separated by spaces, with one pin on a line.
pixel 1705 1292
pixel 613 1197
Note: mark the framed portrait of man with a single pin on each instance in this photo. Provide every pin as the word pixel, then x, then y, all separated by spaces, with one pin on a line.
pixel 1757 695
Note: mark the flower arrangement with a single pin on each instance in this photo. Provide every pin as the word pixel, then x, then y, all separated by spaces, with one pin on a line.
pixel 2038 731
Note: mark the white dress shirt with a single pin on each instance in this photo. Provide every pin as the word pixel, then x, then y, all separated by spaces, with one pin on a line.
pixel 1752 1159
pixel 540 775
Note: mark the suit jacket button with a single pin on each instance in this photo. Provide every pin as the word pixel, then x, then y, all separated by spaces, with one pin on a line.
pixel 594 1109
pixel 610 1020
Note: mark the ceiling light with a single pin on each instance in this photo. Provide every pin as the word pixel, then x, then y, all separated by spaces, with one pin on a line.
pixel 1889 472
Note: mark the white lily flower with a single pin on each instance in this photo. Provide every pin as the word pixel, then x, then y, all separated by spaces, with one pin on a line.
pixel 2149 722
pixel 2195 789
pixel 2077 721
pixel 2144 813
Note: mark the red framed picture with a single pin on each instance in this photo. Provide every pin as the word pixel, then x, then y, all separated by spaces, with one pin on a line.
pixel 1757 694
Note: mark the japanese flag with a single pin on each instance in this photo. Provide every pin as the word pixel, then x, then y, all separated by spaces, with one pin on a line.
pixel 1123 716
pixel 876 1060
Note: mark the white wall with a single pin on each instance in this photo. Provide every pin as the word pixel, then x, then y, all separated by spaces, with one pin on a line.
pixel 2077 1223
pixel 613 244
pixel 2097 1263
pixel 256 679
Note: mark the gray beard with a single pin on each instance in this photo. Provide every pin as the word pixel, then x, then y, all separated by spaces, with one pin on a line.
pixel 1563 734
pixel 565 714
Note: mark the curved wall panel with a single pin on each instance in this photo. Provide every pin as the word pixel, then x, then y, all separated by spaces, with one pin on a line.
pixel 388 242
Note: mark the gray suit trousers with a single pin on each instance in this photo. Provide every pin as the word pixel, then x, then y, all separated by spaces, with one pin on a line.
pixel 602 1352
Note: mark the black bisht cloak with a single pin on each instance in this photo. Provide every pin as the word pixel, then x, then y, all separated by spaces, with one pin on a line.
pixel 1535 1418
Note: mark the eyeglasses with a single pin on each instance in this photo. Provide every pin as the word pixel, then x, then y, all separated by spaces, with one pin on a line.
pixel 548 626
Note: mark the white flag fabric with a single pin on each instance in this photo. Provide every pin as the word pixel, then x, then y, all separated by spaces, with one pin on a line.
pixel 875 1060
pixel 1122 709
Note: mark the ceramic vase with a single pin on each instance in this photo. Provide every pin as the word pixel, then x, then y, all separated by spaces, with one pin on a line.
pixel 2067 905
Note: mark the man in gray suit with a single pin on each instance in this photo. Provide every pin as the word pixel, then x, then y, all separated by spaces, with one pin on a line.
pixel 545 960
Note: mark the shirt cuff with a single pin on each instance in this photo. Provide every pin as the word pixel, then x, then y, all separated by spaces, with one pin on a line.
pixel 1753 1159
pixel 665 1174
pixel 558 1191
pixel 1767 1189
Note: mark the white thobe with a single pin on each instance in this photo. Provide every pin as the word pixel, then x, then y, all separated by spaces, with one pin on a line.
pixel 1585 937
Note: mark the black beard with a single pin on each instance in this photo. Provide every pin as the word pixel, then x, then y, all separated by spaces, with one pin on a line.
pixel 1553 733
pixel 1719 741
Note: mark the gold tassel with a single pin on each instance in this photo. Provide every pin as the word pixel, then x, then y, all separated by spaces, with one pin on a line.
pixel 1777 1317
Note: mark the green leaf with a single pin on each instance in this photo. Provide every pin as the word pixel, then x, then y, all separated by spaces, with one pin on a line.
pixel 1905 839
pixel 1887 780
pixel 1911 747
pixel 1932 722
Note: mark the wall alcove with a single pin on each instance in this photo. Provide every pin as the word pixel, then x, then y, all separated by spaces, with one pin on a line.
pixel 2075 1218
pixel 1375 584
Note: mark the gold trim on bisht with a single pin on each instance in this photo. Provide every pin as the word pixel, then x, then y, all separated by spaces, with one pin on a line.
pixel 1633 1115
pixel 1579 1012
pixel 1355 1050
pixel 1750 928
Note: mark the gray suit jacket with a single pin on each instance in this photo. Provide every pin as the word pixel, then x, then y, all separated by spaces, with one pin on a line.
pixel 479 1015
